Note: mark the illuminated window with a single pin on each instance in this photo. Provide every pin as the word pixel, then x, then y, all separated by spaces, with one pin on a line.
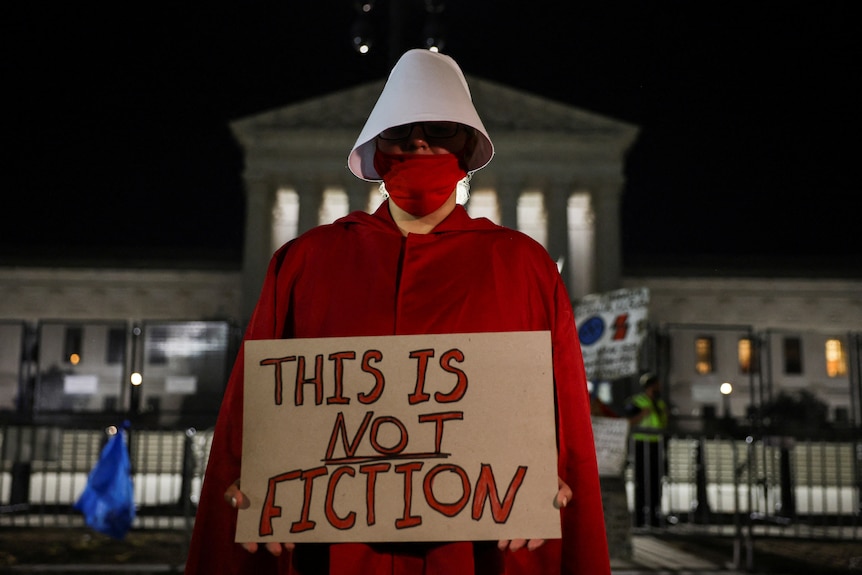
pixel 704 360
pixel 792 355
pixel 836 360
pixel 747 353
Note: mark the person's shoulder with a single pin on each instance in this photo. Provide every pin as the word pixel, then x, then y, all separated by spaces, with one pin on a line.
pixel 512 237
pixel 353 221
pixel 515 248
pixel 634 398
pixel 308 241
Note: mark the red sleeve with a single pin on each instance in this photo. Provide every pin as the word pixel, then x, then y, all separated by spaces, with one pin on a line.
pixel 584 547
pixel 212 548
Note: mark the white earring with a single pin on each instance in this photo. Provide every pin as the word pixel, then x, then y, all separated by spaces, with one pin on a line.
pixel 463 190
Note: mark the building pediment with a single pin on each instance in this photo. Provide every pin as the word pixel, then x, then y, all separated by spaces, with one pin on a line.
pixel 502 109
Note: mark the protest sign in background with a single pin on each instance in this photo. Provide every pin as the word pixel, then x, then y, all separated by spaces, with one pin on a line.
pixel 611 327
pixel 399 438
pixel 611 436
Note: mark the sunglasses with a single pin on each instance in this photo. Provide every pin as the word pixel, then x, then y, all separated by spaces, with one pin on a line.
pixel 432 130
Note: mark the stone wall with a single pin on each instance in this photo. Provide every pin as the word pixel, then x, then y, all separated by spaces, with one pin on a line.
pixel 32 294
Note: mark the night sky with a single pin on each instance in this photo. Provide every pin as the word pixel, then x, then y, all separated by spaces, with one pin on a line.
pixel 117 139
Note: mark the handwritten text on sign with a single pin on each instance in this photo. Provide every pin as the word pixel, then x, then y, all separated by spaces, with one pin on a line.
pixel 611 329
pixel 399 438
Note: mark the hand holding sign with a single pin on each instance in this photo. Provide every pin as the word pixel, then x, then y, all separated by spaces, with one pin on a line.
pixel 564 495
pixel 236 499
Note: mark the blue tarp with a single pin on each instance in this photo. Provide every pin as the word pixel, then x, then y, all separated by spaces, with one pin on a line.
pixel 108 501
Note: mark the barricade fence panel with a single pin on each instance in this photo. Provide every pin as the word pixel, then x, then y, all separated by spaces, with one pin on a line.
pixel 793 488
pixel 44 470
pixel 797 488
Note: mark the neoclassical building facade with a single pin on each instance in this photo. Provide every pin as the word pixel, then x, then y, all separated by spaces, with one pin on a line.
pixel 557 175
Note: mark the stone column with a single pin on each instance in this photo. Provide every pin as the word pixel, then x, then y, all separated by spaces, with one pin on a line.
pixel 507 197
pixel 557 210
pixel 257 249
pixel 606 205
pixel 357 194
pixel 310 198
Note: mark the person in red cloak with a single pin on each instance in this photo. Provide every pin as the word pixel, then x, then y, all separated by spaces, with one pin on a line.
pixel 418 265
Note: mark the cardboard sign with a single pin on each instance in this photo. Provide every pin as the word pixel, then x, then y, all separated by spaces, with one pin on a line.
pixel 611 435
pixel 399 438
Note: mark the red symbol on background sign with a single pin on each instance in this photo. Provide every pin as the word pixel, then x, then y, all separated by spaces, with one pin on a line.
pixel 621 326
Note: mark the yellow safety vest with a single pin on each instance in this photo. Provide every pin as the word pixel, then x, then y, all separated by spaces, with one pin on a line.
pixel 657 418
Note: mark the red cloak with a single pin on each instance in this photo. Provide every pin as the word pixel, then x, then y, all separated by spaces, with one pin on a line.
pixel 361 277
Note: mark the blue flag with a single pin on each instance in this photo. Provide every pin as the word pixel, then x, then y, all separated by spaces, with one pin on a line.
pixel 108 500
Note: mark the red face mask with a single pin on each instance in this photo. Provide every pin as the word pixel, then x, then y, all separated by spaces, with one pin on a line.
pixel 419 183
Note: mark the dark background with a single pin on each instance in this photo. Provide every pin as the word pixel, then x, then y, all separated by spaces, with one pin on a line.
pixel 117 142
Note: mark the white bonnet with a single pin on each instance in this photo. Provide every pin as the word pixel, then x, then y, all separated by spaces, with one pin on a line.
pixel 423 86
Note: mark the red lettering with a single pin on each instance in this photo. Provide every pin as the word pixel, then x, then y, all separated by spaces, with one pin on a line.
pixel 398 447
pixel 372 469
pixel 341 428
pixel 277 361
pixel 486 488
pixel 375 393
pixel 334 520
pixel 461 386
pixel 447 509
pixel 270 509
pixel 317 380
pixel 304 524
pixel 419 395
pixel 338 393
pixel 408 520
pixel 439 418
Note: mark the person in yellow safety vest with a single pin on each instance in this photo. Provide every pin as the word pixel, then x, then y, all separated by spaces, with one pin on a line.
pixel 647 415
